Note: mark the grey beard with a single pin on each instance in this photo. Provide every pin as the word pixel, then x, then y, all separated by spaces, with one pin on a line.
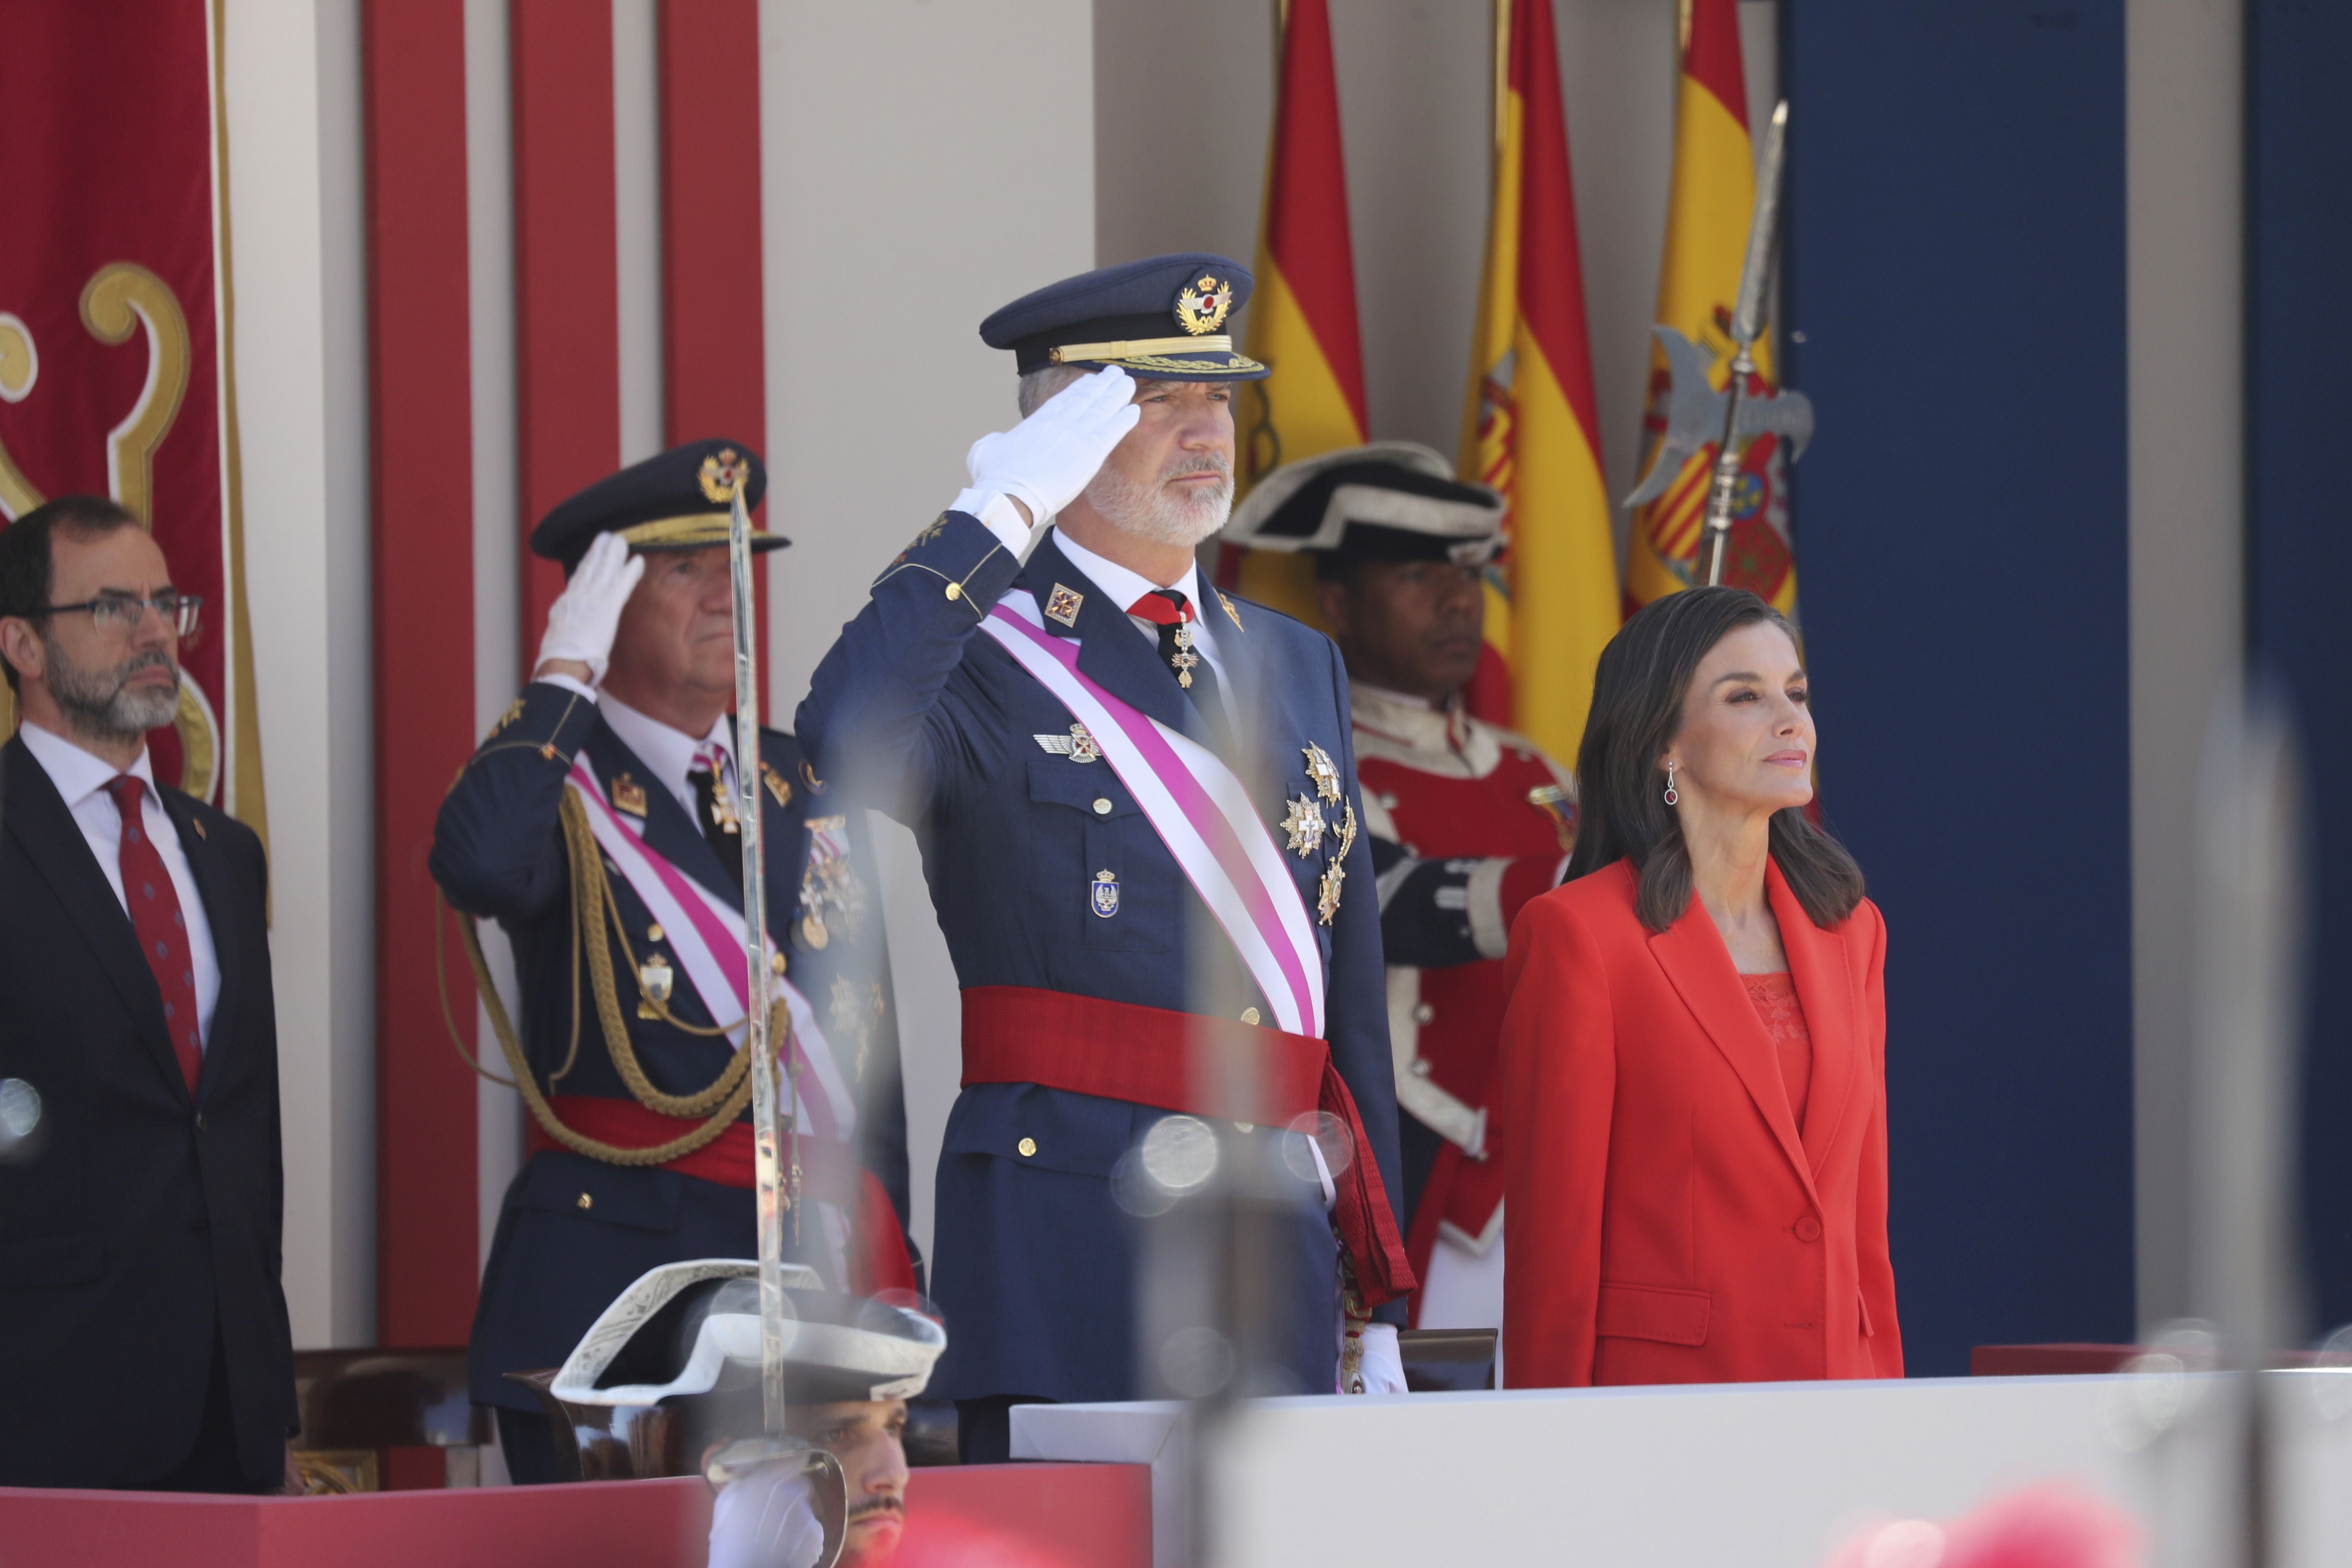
pixel 1149 511
pixel 100 702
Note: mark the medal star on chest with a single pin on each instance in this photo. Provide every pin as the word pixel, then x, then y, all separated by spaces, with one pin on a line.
pixel 1304 824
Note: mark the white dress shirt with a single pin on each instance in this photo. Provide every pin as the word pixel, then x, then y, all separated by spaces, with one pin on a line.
pixel 81 778
pixel 1125 587
pixel 670 753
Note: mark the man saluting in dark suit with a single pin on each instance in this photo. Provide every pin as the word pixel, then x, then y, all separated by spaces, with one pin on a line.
pixel 1140 819
pixel 598 824
pixel 144 1337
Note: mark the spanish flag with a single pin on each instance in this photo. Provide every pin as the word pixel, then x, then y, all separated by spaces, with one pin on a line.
pixel 1528 423
pixel 1707 213
pixel 1302 318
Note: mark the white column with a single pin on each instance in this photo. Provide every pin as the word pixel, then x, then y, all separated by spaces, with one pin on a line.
pixel 921 164
pixel 2184 151
pixel 296 205
pixel 497 570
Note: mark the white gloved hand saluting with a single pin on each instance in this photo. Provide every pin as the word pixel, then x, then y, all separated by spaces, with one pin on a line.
pixel 1045 461
pixel 765 1519
pixel 583 620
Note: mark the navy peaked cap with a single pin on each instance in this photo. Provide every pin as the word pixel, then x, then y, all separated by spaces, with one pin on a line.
pixel 1165 318
pixel 680 499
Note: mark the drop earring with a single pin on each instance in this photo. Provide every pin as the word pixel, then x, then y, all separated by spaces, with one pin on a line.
pixel 1672 797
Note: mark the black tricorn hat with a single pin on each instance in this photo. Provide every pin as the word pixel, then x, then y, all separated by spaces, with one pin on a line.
pixel 694 1327
pixel 678 500
pixel 1389 500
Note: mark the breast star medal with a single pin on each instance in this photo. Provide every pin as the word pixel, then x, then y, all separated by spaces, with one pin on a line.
pixel 1319 769
pixel 1326 892
pixel 1304 824
pixel 832 898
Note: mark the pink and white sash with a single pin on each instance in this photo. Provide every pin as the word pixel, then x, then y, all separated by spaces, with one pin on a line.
pixel 1201 812
pixel 707 934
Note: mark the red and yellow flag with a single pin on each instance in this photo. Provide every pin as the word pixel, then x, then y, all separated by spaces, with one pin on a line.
pixel 1707 213
pixel 1529 428
pixel 1302 317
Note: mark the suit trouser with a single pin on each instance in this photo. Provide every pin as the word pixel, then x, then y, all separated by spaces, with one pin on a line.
pixel 212 1464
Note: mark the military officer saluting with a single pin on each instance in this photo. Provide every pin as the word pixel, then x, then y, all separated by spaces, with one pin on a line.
pixel 1138 798
pixel 1466 821
pixel 597 824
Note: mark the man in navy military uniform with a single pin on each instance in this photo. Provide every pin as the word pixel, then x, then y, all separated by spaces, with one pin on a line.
pixel 604 804
pixel 1071 734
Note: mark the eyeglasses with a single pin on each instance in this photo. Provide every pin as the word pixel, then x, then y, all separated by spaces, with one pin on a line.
pixel 121 614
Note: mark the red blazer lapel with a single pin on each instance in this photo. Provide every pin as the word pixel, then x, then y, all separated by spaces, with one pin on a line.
pixel 1693 955
pixel 1824 982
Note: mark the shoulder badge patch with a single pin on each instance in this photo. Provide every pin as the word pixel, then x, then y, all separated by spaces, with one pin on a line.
pixel 628 795
pixel 1063 603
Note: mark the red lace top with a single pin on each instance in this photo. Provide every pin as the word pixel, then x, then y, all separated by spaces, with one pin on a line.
pixel 1774 997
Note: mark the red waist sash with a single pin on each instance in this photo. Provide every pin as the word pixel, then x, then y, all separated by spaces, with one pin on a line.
pixel 1150 1056
pixel 829 1173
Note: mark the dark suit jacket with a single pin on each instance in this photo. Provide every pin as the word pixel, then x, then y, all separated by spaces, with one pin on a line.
pixel 1034 1261
pixel 150 1220
pixel 574 1232
pixel 1666 1219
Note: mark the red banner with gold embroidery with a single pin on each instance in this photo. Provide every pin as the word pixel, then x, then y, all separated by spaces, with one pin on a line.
pixel 114 377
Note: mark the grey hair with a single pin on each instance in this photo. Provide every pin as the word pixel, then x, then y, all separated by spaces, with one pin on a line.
pixel 1044 382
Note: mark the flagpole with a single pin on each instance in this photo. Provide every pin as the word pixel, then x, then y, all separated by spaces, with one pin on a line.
pixel 1747 324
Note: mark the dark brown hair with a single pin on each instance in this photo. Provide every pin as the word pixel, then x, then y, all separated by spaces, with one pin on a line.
pixel 1637 704
pixel 27 566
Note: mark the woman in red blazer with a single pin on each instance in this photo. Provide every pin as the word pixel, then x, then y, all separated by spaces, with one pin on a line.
pixel 1693 1064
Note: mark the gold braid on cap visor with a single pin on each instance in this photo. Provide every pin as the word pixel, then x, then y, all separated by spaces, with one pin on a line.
pixel 686 532
pixel 1151 353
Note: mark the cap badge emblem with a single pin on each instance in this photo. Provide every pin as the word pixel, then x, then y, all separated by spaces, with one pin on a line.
pixel 1106 894
pixel 723 474
pixel 1304 824
pixel 1203 304
pixel 1063 603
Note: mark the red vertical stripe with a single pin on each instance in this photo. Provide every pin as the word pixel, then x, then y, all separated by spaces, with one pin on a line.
pixel 1551 267
pixel 713 345
pixel 567 288
pixel 422 458
pixel 1306 200
pixel 1712 57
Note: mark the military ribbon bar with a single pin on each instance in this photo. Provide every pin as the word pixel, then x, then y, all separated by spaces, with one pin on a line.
pixel 1201 812
pixel 699 926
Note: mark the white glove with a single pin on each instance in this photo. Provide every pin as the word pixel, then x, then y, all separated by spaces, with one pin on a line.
pixel 1045 461
pixel 763 1519
pixel 1382 1366
pixel 584 617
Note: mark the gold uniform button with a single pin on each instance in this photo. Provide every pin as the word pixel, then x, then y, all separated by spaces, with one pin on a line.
pixel 1102 807
pixel 955 590
pixel 586 1201
pixel 776 961
pixel 654 931
pixel 1027 1146
pixel 1250 1014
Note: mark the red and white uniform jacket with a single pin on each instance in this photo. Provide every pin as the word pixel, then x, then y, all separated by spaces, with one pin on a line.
pixel 1468 822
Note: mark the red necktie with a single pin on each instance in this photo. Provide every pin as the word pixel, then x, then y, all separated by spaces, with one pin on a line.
pixel 162 928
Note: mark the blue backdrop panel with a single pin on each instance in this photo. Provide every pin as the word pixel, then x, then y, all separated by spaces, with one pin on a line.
pixel 2300 343
pixel 1954 262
